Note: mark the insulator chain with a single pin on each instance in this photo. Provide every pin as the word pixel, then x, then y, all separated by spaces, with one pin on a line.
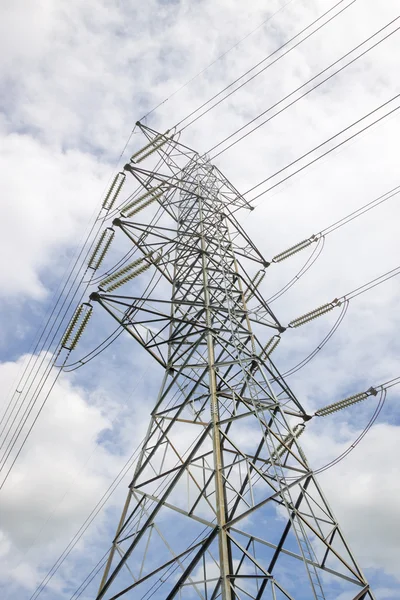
pixel 149 145
pixel 271 345
pixel 297 431
pixel 122 271
pixel 114 190
pixel 314 314
pixel 101 248
pixel 341 404
pixel 142 197
pixel 129 272
pixel 254 283
pixel 150 148
pixel 130 276
pixel 77 325
pixel 137 209
pixel 296 248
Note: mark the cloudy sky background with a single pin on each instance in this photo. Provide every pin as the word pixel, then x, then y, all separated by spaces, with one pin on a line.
pixel 74 79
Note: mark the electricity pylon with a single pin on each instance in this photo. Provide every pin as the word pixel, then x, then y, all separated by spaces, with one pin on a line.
pixel 223 503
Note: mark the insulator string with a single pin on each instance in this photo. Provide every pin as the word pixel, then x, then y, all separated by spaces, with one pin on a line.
pixel 316 253
pixel 115 334
pixel 364 432
pixel 38 356
pixel 326 339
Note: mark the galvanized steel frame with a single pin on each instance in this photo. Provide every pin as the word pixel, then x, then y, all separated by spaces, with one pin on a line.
pixel 223 382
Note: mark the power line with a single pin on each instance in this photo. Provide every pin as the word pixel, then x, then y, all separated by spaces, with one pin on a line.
pixel 26 436
pixel 325 308
pixel 89 578
pixel 372 284
pixel 215 61
pixel 306 267
pixel 260 63
pixel 75 261
pixel 359 438
pixel 319 239
pixel 321 145
pixel 41 357
pixel 361 211
pixel 342 302
pixel 371 422
pixel 323 343
pixel 307 91
pixel 36 362
pixel 93 514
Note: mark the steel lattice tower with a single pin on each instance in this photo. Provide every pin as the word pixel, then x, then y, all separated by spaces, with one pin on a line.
pixel 223 503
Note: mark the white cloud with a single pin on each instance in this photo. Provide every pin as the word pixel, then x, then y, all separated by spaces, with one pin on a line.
pixel 75 77
pixel 48 197
pixel 62 473
pixel 363 490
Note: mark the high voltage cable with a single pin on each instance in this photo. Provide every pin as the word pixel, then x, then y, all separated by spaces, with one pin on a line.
pixel 306 267
pixel 323 343
pixel 370 423
pixel 372 284
pixel 112 337
pixel 31 403
pixel 378 280
pixel 39 358
pixel 360 211
pixel 332 230
pixel 91 517
pixel 342 301
pixel 261 62
pixel 389 384
pixel 307 91
pixel 319 238
pixel 359 438
pixel 354 293
pixel 48 369
pixel 396 96
pixel 35 344
pixel 37 391
pixel 307 317
pixel 26 436
pixel 93 514
pixel 383 389
pixel 35 352
pixel 215 61
pixel 310 261
pixel 326 231
pixel 41 330
pixel 96 510
pixel 89 578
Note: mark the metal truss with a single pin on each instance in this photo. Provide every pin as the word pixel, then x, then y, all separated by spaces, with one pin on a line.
pixel 223 503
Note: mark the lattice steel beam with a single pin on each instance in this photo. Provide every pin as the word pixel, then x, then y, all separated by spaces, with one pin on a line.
pixel 223 503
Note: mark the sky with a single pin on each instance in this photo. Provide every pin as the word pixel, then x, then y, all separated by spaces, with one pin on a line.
pixel 75 77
